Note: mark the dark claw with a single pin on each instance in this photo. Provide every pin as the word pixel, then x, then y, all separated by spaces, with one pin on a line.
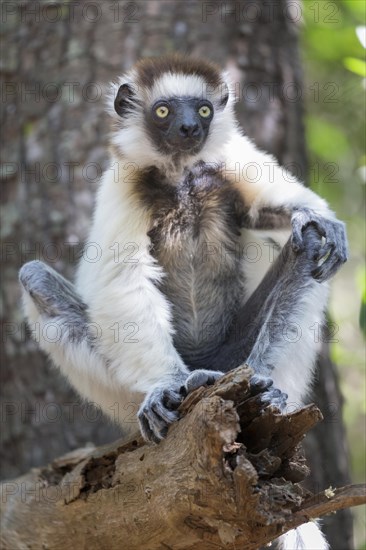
pixel 146 431
pixel 324 252
pixel 325 271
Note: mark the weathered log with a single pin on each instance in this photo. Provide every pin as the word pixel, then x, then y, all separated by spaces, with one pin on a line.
pixel 227 476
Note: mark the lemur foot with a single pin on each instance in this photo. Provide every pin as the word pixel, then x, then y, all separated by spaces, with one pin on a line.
pixel 52 294
pixel 269 395
pixel 200 377
pixel 308 229
pixel 158 411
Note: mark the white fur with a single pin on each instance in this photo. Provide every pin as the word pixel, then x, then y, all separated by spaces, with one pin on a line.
pixel 306 537
pixel 301 329
pixel 179 85
pixel 121 288
pixel 261 180
pixel 86 370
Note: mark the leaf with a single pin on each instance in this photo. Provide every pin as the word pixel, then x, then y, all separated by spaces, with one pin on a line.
pixel 357 66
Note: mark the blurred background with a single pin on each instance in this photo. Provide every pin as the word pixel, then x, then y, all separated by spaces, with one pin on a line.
pixel 300 72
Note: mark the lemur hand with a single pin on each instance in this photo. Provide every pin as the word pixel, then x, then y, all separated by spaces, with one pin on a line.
pixel 158 410
pixel 332 253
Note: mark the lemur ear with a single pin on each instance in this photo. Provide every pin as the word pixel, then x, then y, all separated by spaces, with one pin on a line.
pixel 224 95
pixel 123 99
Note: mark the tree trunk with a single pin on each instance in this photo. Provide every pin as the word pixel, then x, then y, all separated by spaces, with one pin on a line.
pixel 229 479
pixel 57 57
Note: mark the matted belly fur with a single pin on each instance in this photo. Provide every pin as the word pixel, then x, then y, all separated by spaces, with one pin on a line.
pixel 195 237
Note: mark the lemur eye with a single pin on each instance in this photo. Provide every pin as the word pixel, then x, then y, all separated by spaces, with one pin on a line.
pixel 204 111
pixel 162 111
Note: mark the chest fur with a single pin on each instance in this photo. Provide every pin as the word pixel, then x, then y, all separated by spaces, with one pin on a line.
pixel 195 232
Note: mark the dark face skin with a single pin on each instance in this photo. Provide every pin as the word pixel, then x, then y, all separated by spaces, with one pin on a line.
pixel 179 125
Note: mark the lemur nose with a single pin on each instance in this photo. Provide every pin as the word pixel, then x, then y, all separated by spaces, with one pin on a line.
pixel 189 130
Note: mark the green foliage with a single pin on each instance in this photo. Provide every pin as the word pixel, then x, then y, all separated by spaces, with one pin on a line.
pixel 334 63
pixel 325 139
pixel 361 279
pixel 331 45
pixel 355 8
pixel 357 66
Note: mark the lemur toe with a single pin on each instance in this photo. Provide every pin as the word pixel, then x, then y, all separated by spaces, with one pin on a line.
pixel 157 413
pixel 268 395
pixel 259 383
pixel 274 397
pixel 201 377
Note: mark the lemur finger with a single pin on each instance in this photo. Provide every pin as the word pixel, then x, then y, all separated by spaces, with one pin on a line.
pixel 324 252
pixel 341 238
pixel 146 431
pixel 327 269
pixel 312 238
pixel 336 237
pixel 296 238
pixel 172 399
pixel 271 394
pixel 329 258
pixel 157 425
pixel 157 412
pixel 163 415
pixel 300 221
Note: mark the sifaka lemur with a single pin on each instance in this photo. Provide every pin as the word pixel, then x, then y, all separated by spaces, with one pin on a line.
pixel 212 255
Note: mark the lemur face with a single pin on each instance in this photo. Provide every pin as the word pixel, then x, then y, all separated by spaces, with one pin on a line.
pixel 170 109
pixel 179 124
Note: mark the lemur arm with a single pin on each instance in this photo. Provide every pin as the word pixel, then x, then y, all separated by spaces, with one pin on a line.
pixel 263 183
pixel 267 188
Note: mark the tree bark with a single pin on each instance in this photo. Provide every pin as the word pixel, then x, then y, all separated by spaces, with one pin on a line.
pixel 226 476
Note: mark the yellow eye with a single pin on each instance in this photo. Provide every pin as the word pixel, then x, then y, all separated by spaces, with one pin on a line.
pixel 204 111
pixel 162 111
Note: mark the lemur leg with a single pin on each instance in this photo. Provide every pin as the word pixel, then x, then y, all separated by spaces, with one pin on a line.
pixel 51 294
pixel 59 322
pixel 274 334
pixel 275 330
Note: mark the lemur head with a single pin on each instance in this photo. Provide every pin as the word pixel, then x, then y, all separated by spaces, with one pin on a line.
pixel 171 108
